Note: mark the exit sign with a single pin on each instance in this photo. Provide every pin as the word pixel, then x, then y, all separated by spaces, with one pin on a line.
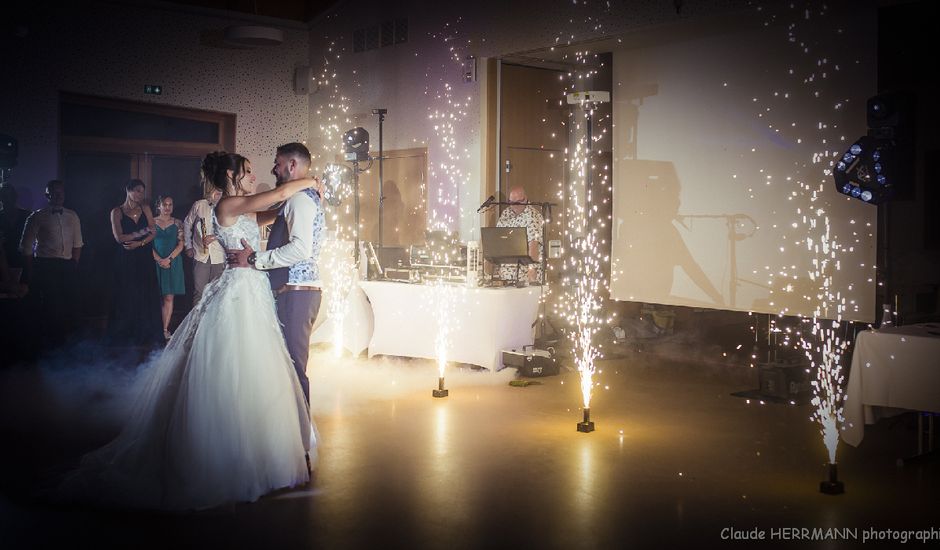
pixel 155 89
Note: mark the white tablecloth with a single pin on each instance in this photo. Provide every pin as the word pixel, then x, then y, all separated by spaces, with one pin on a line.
pixel 897 367
pixel 357 325
pixel 485 320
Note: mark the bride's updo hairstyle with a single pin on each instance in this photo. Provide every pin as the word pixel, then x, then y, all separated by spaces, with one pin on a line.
pixel 215 169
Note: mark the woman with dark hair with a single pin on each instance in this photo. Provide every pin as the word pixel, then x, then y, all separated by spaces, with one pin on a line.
pixel 134 318
pixel 220 416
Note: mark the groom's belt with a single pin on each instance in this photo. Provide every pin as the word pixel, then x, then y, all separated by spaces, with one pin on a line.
pixel 287 288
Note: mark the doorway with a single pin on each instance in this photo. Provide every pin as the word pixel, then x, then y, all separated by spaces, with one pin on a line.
pixel 533 138
pixel 106 142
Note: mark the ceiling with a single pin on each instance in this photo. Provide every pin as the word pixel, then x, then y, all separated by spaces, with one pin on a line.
pixel 293 10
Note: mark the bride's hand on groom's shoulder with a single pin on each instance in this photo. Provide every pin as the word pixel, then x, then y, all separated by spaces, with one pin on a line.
pixel 313 183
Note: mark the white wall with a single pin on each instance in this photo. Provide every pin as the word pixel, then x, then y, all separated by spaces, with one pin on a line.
pixel 406 78
pixel 114 50
pixel 741 125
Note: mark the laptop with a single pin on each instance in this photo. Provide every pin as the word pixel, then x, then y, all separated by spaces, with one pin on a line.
pixel 505 245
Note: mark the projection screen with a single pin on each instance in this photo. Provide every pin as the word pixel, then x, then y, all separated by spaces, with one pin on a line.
pixel 720 143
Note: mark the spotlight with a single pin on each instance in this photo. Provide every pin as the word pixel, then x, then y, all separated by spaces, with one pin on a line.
pixel 356 144
pixel 866 170
pixel 879 166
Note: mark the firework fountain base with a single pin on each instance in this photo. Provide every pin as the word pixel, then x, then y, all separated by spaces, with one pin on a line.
pixel 832 486
pixel 587 426
pixel 440 391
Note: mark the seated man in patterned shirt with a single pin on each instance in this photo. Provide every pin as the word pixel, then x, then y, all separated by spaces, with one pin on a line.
pixel 525 215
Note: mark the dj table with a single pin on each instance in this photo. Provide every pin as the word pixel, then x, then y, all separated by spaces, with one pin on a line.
pixel 482 321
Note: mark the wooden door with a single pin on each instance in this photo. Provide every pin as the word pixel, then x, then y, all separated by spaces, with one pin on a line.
pixel 534 120
pixel 94 184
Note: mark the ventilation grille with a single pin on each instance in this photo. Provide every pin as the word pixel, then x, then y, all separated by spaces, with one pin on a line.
pixel 386 34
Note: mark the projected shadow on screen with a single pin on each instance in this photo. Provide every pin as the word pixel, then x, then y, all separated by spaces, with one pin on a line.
pixel 649 246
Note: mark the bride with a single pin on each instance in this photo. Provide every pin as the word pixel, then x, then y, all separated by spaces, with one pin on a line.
pixel 220 417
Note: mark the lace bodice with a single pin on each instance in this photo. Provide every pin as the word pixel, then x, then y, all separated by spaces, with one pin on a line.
pixel 244 228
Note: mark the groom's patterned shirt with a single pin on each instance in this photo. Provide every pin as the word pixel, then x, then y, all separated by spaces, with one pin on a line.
pixel 306 228
pixel 307 272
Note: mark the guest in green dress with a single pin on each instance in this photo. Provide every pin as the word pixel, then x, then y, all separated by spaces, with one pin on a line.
pixel 167 246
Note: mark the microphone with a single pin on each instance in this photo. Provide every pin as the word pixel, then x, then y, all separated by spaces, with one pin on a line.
pixel 486 204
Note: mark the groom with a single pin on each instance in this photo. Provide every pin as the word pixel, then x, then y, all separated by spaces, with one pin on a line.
pixel 292 258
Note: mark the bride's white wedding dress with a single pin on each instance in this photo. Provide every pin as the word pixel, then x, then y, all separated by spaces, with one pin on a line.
pixel 220 416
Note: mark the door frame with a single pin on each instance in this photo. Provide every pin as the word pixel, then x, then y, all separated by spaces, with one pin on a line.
pixel 144 150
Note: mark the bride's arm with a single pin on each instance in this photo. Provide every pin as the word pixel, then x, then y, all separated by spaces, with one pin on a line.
pixel 232 207
pixel 266 217
pixel 300 214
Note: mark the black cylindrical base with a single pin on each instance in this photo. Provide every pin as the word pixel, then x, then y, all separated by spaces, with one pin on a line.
pixel 586 426
pixel 440 391
pixel 832 486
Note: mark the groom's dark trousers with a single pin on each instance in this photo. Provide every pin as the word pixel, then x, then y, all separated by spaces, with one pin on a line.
pixel 297 308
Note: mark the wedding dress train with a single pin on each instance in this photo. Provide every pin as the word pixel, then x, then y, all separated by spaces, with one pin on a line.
pixel 220 416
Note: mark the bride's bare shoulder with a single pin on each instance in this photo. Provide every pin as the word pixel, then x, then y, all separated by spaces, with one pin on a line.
pixel 225 211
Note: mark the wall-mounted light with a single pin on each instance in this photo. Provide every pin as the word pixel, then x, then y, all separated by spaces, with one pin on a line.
pixel 254 35
pixel 470 69
pixel 303 75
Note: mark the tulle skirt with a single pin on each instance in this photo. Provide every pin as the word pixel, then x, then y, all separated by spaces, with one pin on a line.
pixel 219 417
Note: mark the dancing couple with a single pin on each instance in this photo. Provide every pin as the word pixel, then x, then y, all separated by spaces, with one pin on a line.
pixel 223 414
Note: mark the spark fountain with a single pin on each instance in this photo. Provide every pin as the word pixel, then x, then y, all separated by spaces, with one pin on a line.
pixel 825 349
pixel 824 335
pixel 443 302
pixel 584 280
pixel 579 302
pixel 337 258
pixel 332 108
pixel 585 263
pixel 446 113
pixel 823 345
pixel 339 277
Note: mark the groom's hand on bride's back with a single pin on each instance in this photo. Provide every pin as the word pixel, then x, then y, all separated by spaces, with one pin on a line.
pixel 238 257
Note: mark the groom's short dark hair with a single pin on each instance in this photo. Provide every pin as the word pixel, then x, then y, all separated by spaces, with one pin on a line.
pixel 297 150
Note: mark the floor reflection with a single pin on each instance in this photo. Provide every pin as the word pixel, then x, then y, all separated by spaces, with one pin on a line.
pixel 674 459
